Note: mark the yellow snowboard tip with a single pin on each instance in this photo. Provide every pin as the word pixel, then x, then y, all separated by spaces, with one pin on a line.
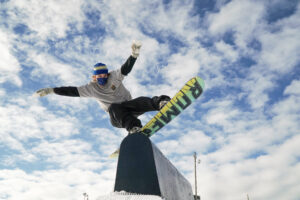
pixel 115 154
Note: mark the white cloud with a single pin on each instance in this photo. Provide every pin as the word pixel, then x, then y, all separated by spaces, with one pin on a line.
pixel 241 17
pixel 262 177
pixel 50 67
pixel 229 53
pixel 193 140
pixel 175 19
pixel 52 184
pixel 154 16
pixel 279 48
pixel 69 154
pixel 181 68
pixel 2 92
pixel 35 121
pixel 258 85
pixel 47 19
pixel 9 65
pixel 222 114
pixel 23 119
pixel 293 88
pixel 109 139
pixel 278 54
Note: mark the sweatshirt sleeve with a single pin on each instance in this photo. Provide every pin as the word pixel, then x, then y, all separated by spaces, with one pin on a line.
pixel 86 90
pixel 66 91
pixel 128 65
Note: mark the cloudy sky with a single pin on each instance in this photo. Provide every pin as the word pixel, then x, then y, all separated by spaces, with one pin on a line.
pixel 244 128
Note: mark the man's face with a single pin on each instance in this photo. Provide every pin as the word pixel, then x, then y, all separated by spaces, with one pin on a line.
pixel 99 76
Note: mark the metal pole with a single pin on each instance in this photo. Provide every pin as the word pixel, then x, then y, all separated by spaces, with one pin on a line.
pixel 195 163
pixel 199 161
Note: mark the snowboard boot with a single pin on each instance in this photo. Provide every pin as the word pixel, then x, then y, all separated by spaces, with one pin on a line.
pixel 163 101
pixel 134 129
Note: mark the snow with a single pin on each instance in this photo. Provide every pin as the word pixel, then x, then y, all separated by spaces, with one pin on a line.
pixel 128 196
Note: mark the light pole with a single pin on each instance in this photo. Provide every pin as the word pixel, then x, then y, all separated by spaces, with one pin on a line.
pixel 195 169
pixel 195 172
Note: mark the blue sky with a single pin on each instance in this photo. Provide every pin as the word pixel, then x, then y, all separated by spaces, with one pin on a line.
pixel 245 126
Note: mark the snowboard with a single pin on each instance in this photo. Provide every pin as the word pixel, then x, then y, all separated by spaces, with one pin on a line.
pixel 183 99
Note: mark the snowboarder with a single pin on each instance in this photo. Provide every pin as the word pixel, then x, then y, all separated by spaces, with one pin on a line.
pixel 113 97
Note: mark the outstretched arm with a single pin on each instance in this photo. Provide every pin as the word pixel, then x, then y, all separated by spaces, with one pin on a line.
pixel 128 65
pixel 65 91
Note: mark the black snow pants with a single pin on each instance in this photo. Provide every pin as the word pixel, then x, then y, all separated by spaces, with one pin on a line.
pixel 125 114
